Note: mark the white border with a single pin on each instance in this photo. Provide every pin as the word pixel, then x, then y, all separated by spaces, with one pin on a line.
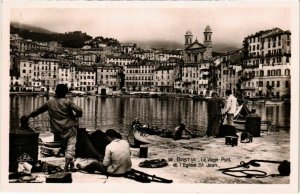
pixel 186 188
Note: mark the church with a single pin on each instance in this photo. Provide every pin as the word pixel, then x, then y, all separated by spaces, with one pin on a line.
pixel 196 52
pixel 197 62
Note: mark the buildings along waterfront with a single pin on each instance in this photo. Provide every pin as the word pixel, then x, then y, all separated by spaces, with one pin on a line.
pixel 260 68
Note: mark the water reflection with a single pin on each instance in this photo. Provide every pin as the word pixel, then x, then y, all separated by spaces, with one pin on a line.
pixel 118 113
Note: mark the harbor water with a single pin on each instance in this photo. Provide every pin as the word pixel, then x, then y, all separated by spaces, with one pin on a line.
pixel 119 112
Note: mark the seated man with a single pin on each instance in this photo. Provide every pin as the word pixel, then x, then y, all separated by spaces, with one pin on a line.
pixel 177 134
pixel 117 161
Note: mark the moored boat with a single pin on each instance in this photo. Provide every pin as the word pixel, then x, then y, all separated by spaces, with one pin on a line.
pixel 143 134
pixel 274 102
pixel 239 119
pixel 144 138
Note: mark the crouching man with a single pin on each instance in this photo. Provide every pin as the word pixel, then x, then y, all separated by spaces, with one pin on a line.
pixel 116 162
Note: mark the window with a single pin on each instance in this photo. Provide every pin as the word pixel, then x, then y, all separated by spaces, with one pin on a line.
pixel 287 72
pixel 24 71
pixel 287 59
pixel 278 59
pixel 286 84
pixel 278 83
pixel 278 72
pixel 261 73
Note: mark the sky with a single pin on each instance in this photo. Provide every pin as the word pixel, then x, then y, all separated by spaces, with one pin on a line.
pixel 230 24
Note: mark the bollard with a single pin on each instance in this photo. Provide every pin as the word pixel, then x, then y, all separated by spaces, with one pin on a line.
pixel 231 140
pixel 143 151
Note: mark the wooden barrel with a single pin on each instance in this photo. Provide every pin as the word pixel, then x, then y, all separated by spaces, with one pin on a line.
pixel 23 147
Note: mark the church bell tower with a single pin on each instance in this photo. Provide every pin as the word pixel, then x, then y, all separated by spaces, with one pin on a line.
pixel 208 41
pixel 188 38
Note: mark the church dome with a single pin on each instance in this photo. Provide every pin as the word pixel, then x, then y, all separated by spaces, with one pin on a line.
pixel 188 32
pixel 207 29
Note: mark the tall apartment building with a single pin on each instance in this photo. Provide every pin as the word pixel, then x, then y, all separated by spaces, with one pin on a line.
pixel 38 69
pixel 195 78
pixel 108 79
pixel 164 78
pixel 87 78
pixel 266 70
pixel 68 75
pixel 229 67
pixel 139 76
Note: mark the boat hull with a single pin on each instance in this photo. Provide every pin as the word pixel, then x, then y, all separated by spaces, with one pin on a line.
pixel 144 138
pixel 270 102
pixel 240 125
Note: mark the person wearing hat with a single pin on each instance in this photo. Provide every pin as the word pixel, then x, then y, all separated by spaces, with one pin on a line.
pixel 117 160
pixel 214 106
pixel 63 115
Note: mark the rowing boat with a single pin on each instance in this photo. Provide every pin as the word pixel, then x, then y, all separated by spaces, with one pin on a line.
pixel 149 135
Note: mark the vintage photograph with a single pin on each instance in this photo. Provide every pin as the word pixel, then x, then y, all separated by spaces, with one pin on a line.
pixel 166 94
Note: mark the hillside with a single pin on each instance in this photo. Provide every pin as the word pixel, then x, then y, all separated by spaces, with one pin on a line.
pixel 74 39
pixel 31 28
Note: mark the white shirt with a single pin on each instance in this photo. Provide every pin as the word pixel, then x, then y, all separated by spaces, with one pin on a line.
pixel 231 104
pixel 117 157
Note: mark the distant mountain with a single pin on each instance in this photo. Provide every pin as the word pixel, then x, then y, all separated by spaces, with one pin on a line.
pixel 158 44
pixel 223 48
pixel 31 28
pixel 217 48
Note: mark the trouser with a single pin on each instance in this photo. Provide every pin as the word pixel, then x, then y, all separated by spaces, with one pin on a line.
pixel 95 166
pixel 230 119
pixel 57 137
pixel 98 166
pixel 69 138
pixel 213 125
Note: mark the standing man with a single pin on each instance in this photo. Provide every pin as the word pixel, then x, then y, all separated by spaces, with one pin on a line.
pixel 214 114
pixel 63 115
pixel 231 107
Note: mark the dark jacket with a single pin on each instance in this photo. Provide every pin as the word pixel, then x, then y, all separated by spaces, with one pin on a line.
pixel 214 106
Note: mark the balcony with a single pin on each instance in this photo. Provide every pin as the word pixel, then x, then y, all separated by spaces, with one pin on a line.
pixel 248 88
pixel 250 65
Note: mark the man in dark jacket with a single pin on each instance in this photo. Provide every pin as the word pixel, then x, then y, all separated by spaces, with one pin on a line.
pixel 214 114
